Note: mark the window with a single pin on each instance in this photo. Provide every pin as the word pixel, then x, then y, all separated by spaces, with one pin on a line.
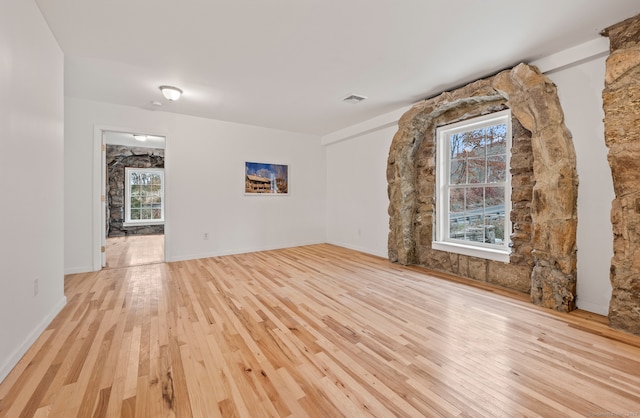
pixel 473 199
pixel 144 196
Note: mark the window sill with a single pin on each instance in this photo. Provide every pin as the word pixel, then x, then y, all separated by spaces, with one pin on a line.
pixel 143 223
pixel 473 251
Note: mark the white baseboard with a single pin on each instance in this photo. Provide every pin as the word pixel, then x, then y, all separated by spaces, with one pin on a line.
pixel 76 270
pixel 17 354
pixel 382 254
pixel 592 307
pixel 186 257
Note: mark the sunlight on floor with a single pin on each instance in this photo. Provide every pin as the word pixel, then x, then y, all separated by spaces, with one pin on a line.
pixel 134 250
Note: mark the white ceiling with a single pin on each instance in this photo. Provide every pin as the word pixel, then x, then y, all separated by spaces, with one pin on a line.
pixel 287 64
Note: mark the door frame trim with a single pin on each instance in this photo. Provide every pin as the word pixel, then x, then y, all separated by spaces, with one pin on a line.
pixel 99 187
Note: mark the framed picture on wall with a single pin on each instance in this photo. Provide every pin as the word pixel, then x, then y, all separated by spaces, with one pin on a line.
pixel 266 179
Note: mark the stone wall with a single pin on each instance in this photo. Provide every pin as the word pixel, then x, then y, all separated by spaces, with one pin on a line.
pixel 544 181
pixel 621 101
pixel 118 157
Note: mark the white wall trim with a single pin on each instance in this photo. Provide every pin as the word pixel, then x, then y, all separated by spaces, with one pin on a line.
pixel 586 51
pixel 236 251
pixel 382 254
pixel 17 354
pixel 76 270
pixel 592 307
pixel 368 126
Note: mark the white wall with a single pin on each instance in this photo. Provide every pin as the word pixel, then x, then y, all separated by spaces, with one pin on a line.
pixel 357 187
pixel 31 179
pixel 580 91
pixel 357 199
pixel 204 171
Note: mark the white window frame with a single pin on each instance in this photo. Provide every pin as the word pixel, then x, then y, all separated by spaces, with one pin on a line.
pixel 442 241
pixel 127 196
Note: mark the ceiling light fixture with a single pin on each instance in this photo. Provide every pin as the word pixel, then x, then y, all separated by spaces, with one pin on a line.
pixel 171 93
pixel 140 137
pixel 354 98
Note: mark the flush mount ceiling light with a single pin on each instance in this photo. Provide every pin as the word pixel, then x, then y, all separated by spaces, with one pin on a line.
pixel 354 98
pixel 140 137
pixel 171 93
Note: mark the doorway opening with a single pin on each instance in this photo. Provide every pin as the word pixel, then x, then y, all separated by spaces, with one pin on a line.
pixel 134 199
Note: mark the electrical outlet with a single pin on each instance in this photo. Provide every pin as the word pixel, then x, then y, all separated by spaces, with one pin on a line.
pixel 205 236
pixel 35 287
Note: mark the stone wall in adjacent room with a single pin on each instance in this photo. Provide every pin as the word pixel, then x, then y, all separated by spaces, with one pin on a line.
pixel 621 101
pixel 118 157
pixel 544 182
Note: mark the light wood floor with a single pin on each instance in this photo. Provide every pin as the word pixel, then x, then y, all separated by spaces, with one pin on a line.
pixel 134 250
pixel 314 331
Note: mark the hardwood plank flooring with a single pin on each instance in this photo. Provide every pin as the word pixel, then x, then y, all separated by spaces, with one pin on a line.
pixel 134 250
pixel 317 331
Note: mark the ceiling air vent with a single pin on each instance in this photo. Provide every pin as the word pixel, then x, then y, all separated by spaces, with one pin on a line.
pixel 354 98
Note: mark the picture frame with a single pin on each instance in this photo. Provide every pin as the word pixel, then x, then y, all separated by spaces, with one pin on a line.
pixel 266 179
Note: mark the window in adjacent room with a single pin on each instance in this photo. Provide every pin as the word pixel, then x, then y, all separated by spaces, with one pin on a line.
pixel 144 196
pixel 473 195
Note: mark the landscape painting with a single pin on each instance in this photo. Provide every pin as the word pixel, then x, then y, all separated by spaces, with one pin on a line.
pixel 266 178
